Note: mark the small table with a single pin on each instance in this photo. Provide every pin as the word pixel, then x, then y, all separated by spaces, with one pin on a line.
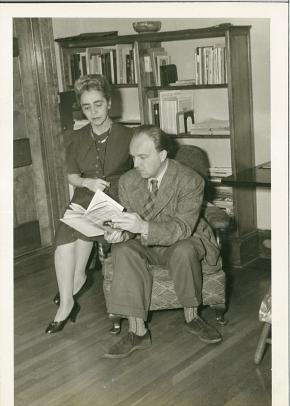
pixel 258 176
pixel 253 177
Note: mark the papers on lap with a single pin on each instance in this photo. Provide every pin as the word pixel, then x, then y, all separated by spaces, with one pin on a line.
pixel 90 221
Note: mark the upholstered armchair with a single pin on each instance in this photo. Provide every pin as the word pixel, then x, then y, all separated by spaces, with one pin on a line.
pixel 163 294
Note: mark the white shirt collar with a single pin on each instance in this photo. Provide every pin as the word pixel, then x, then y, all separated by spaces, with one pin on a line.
pixel 159 177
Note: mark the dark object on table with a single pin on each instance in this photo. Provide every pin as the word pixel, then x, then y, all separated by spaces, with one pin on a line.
pixel 168 74
pixel 251 177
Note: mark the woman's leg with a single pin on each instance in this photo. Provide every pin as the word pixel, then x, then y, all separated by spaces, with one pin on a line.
pixel 82 254
pixel 64 260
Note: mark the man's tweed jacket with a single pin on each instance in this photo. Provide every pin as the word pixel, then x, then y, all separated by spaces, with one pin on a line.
pixel 176 213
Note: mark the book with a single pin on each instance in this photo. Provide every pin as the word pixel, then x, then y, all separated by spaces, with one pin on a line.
pixel 209 65
pixel 103 61
pixel 171 103
pixel 153 53
pixel 184 121
pixel 90 221
pixel 161 60
pixel 152 102
pixel 121 51
pixel 148 71
pixel 184 82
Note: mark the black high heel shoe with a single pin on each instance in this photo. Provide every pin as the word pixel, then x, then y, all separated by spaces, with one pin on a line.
pixel 56 326
pixel 84 287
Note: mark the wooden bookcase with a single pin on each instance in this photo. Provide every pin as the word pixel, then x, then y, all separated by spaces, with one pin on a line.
pixel 236 40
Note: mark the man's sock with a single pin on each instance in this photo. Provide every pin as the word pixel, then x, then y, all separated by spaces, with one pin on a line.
pixel 190 313
pixel 137 326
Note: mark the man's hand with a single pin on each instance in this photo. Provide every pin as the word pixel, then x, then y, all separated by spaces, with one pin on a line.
pixel 130 222
pixel 114 236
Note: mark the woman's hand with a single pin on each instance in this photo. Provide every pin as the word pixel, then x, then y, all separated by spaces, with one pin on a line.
pixel 95 184
pixel 92 184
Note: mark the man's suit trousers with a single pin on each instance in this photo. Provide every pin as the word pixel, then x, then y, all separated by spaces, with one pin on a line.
pixel 132 281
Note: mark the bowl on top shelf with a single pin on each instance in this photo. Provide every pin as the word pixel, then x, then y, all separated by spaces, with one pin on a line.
pixel 147 26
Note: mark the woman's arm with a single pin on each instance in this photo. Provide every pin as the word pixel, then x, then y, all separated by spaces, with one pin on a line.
pixel 92 184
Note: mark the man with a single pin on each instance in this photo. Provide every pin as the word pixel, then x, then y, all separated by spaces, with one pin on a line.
pixel 162 225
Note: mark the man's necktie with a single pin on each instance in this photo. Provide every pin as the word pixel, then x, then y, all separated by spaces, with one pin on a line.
pixel 148 208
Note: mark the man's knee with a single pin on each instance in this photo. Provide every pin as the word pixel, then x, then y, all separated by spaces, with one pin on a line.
pixel 185 249
pixel 128 249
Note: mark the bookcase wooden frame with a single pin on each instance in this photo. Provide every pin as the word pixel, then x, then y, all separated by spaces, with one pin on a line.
pixel 239 87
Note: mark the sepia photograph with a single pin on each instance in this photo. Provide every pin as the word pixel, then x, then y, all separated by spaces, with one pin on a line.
pixel 147 177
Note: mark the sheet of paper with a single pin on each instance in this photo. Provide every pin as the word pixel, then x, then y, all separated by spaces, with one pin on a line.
pixel 101 197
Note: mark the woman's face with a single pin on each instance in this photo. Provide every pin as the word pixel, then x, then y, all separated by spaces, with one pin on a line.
pixel 95 106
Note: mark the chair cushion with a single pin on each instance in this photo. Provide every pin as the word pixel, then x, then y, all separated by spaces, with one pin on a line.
pixel 163 294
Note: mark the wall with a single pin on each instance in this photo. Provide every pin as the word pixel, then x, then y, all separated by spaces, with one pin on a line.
pixel 260 52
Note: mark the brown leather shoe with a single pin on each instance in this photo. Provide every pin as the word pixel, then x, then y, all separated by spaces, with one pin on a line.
pixel 204 331
pixel 131 342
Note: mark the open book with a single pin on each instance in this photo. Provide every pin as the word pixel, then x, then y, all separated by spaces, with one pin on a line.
pixel 90 221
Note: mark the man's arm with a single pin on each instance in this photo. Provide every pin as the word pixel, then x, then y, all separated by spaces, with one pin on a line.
pixel 169 226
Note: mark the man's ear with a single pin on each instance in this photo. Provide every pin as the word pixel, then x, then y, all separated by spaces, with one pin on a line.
pixel 163 155
pixel 109 104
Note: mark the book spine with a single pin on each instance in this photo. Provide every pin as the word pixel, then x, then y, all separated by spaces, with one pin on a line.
pixel 132 67
pixel 128 68
pixel 112 67
pixel 76 64
pixel 84 65
pixel 156 114
pixel 70 79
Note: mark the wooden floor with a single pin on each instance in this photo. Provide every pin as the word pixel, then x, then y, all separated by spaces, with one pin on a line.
pixel 67 369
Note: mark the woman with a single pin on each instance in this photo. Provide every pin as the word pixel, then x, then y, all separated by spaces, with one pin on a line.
pixel 96 158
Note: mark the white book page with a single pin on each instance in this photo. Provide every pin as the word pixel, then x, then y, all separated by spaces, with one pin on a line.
pixel 101 197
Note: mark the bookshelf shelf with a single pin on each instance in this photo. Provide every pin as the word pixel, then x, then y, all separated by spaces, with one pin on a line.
pixel 123 86
pixel 201 136
pixel 187 87
pixel 235 91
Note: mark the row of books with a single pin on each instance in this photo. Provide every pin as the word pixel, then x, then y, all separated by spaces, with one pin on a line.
pixel 216 173
pixel 173 111
pixel 222 196
pixel 117 63
pixel 154 58
pixel 210 66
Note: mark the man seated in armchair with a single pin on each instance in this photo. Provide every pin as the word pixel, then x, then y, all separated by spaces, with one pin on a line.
pixel 163 226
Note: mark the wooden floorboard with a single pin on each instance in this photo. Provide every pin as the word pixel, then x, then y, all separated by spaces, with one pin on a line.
pixel 68 368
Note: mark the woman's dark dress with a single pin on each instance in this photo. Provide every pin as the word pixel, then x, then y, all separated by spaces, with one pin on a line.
pixel 90 159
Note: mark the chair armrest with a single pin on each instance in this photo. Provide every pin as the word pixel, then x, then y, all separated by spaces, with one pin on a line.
pixel 217 218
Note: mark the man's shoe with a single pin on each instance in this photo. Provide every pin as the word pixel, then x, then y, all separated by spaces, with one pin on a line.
pixel 131 342
pixel 204 331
